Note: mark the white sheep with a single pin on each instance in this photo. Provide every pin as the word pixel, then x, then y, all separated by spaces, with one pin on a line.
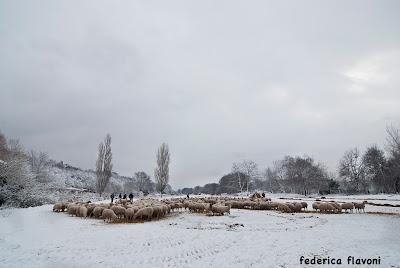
pixel 360 206
pixel 82 211
pixel 220 209
pixel 347 206
pixel 144 212
pixel 108 214
pixel 304 205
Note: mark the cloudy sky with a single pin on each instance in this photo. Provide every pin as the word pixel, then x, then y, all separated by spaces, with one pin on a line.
pixel 219 81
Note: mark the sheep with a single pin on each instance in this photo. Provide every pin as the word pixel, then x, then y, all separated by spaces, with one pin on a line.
pixel 337 206
pixel 263 206
pixel 119 211
pixel 316 205
pixel 90 209
pixel 164 209
pixel 186 204
pixel 97 211
pixel 157 212
pixel 326 207
pixel 144 212
pixel 82 212
pixel 237 204
pixel 360 206
pixel 129 214
pixel 347 206
pixel 72 210
pixel 284 208
pixel 220 209
pixel 274 205
pixel 297 207
pixel 304 205
pixel 108 214
pixel 198 207
pixel 58 207
pixel 291 206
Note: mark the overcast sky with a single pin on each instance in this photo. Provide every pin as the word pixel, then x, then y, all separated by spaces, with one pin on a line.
pixel 219 81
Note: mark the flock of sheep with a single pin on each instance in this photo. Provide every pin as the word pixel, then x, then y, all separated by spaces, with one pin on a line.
pixel 150 209
pixel 140 210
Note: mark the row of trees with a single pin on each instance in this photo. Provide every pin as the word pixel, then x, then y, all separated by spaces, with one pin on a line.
pixel 141 181
pixel 291 174
pixel 374 171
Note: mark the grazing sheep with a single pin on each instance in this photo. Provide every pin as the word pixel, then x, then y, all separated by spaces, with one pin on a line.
pixel 90 209
pixel 119 211
pixel 164 209
pixel 97 211
pixel 58 207
pixel 72 210
pixel 316 205
pixel 264 206
pixel 157 212
pixel 291 206
pixel 304 205
pixel 284 208
pixel 359 206
pixel 337 206
pixel 326 207
pixel 108 214
pixel 347 206
pixel 82 212
pixel 220 209
pixel 186 204
pixel 297 207
pixel 129 214
pixel 144 212
pixel 274 205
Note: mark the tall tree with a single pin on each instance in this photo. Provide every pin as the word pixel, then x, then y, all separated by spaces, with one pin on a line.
pixel 161 172
pixel 375 164
pixel 351 168
pixel 104 164
pixel 393 141
pixel 246 171
pixel 393 146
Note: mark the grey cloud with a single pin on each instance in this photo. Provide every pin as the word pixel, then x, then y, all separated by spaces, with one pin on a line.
pixel 219 81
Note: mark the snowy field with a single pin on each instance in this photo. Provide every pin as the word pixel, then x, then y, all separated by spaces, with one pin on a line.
pixel 37 237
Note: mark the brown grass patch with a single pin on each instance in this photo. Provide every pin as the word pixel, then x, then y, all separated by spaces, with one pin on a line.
pixel 383 205
pixel 384 213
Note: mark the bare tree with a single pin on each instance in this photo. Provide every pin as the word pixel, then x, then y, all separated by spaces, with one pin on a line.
pixel 352 168
pixel 246 172
pixel 143 181
pixel 237 170
pixel 39 162
pixel 161 172
pixel 375 165
pixel 393 146
pixel 104 164
pixel 393 140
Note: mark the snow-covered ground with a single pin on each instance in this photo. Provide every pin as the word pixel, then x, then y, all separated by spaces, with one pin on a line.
pixel 37 237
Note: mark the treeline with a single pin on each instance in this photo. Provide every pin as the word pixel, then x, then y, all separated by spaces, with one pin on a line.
pixel 28 178
pixel 374 171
